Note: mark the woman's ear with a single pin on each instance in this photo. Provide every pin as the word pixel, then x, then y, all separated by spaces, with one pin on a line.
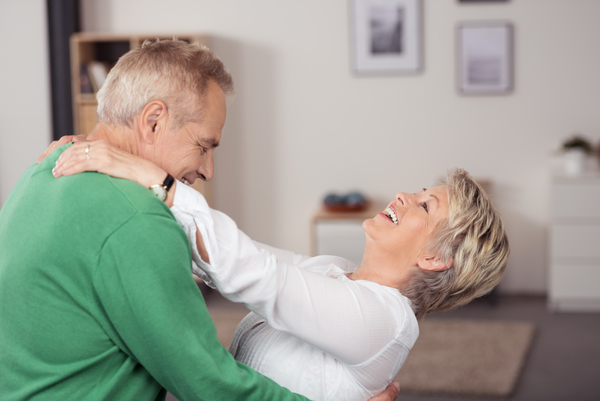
pixel 153 120
pixel 434 263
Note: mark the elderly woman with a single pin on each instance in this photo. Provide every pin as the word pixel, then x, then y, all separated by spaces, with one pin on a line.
pixel 321 326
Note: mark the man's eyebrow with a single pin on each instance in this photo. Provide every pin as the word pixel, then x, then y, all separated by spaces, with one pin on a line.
pixel 210 143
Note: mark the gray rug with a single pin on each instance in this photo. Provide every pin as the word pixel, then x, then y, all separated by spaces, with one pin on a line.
pixel 466 358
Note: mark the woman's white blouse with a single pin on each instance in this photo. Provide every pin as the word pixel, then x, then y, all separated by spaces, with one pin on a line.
pixel 312 329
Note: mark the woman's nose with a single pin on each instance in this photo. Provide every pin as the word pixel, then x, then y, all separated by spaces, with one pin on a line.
pixel 402 198
pixel 406 199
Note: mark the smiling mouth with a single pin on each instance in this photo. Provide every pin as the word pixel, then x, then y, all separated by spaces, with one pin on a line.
pixel 185 181
pixel 391 214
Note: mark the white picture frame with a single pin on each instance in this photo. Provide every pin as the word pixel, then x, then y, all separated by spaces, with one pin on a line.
pixel 387 36
pixel 485 59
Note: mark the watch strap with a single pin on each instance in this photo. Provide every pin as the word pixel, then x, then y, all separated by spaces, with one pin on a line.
pixel 168 182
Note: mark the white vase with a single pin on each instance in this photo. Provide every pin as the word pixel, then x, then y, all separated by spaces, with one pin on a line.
pixel 575 161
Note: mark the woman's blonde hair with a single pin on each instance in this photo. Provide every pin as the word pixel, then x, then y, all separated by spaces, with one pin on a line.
pixel 473 237
pixel 173 71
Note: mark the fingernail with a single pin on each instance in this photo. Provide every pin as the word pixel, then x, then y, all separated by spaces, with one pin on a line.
pixel 397 385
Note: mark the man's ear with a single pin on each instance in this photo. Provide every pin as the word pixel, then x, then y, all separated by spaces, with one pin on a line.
pixel 153 120
pixel 434 263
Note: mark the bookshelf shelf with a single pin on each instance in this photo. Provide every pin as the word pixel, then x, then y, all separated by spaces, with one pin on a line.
pixel 87 98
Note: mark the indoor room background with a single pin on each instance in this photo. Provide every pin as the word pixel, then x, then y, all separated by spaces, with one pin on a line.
pixel 303 124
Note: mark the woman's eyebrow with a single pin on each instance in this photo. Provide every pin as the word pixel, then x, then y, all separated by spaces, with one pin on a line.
pixel 437 200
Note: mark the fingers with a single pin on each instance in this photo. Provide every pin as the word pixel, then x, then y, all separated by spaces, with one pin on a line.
pixel 103 158
pixel 55 144
pixel 389 394
pixel 107 159
pixel 74 160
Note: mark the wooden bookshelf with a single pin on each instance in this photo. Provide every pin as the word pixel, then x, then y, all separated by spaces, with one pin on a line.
pixel 87 47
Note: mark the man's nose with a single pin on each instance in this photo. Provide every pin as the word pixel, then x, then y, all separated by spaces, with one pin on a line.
pixel 207 168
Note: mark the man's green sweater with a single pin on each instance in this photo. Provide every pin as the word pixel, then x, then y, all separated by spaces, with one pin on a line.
pixel 97 301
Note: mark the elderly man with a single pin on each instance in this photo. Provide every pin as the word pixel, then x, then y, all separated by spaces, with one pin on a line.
pixel 97 300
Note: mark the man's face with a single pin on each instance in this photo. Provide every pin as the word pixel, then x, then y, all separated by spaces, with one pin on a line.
pixel 187 153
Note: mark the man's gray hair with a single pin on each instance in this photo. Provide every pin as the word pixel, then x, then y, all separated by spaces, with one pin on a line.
pixel 173 71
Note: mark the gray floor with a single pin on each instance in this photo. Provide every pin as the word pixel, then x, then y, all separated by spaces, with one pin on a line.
pixel 563 363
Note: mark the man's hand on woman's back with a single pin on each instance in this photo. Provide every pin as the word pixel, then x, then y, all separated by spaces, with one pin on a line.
pixel 389 394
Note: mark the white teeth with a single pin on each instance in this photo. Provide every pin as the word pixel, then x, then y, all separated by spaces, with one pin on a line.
pixel 186 182
pixel 391 214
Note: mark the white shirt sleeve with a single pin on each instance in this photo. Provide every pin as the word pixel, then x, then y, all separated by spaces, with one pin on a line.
pixel 346 319
pixel 186 203
pixel 283 255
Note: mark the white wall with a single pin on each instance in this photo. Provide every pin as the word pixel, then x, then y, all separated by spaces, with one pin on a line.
pixel 302 124
pixel 25 120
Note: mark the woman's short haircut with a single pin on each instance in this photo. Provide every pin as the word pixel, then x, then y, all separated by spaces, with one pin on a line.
pixel 173 71
pixel 473 237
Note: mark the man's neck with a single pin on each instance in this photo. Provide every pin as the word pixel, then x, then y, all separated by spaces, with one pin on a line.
pixel 120 136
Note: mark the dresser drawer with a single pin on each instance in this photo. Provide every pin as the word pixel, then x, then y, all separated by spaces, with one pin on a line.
pixel 574 199
pixel 575 241
pixel 341 238
pixel 575 281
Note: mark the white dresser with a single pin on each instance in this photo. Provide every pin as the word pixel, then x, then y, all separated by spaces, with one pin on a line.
pixel 575 244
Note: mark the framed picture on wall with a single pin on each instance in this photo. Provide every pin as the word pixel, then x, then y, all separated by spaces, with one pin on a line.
pixel 485 61
pixel 387 36
pixel 481 1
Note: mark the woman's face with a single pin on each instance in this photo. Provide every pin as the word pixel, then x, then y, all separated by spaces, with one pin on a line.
pixel 403 228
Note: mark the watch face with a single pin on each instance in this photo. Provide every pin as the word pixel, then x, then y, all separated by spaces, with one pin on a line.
pixel 159 192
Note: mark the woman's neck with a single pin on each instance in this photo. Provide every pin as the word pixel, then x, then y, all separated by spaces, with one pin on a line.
pixel 383 269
